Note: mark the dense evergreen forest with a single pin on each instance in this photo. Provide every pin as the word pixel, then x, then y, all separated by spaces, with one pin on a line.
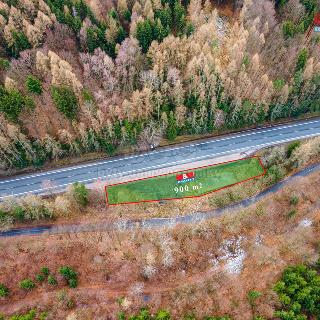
pixel 81 76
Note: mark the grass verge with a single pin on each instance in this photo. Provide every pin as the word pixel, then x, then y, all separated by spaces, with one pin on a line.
pixel 198 182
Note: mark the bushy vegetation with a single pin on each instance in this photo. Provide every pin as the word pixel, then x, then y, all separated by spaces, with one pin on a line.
pixel 80 193
pixel 33 85
pixel 253 295
pixel 70 276
pixel 45 274
pixel 40 277
pixel 144 314
pixel 52 280
pixel 294 200
pixel 292 146
pixel 279 162
pixel 65 100
pixel 45 271
pixel 291 28
pixel 4 64
pixel 299 293
pixel 4 291
pixel 30 208
pixel 65 300
pixel 30 315
pixel 27 284
pixel 34 208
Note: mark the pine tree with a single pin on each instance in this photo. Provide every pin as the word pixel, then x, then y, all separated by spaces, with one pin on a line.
pixel 172 129
pixel 144 34
pixel 19 43
pixel 179 17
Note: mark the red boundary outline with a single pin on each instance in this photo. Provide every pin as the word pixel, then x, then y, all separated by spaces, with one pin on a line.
pixel 188 197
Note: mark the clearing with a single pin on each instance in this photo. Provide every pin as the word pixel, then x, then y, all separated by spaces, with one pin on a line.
pixel 185 184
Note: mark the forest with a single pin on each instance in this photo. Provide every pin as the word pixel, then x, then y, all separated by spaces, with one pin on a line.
pixel 89 76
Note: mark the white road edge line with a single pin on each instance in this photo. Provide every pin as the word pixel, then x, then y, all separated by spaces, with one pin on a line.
pixel 171 163
pixel 258 131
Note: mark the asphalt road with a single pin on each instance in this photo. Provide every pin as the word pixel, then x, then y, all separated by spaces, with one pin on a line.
pixel 154 223
pixel 161 158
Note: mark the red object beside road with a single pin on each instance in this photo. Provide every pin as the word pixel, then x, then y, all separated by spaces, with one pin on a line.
pixel 316 19
pixel 185 176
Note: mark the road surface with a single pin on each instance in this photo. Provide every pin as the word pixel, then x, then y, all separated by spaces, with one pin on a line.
pixel 150 223
pixel 162 158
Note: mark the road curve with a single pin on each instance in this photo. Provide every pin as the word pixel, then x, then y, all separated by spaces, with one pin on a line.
pixel 161 158
pixel 191 218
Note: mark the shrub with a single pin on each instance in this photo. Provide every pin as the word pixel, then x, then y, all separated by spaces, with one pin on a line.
pixel 31 315
pixel 288 29
pixel 40 277
pixel 65 300
pixel 294 200
pixel 29 103
pixel 275 174
pixel 121 316
pixel 144 314
pixel 6 221
pixel 302 59
pixel 189 316
pixel 70 275
pixel 73 283
pixel 67 272
pixel 253 296
pixel 278 84
pixel 291 147
pixel 292 213
pixel 163 315
pixel 27 284
pixel 4 64
pixel 33 85
pixel 4 291
pixel 19 213
pixel 45 271
pixel 36 209
pixel 43 315
pixel 80 193
pixel 87 96
pixel 52 280
pixel 65 100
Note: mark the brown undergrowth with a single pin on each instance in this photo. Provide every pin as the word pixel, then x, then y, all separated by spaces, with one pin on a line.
pixel 206 268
